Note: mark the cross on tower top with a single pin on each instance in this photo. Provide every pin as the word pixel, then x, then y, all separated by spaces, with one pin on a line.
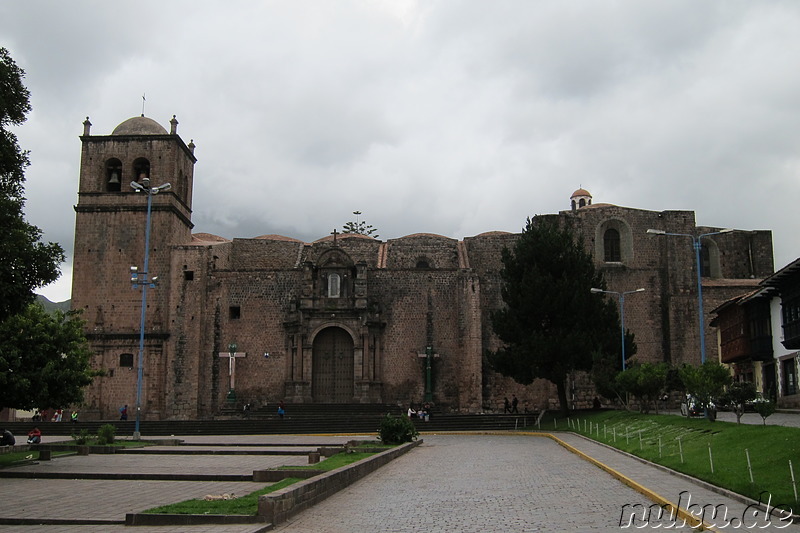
pixel 335 232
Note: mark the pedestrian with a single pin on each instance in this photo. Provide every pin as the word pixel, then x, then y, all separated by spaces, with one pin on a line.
pixel 44 413
pixel 74 417
pixel 514 403
pixel 35 436
pixel 7 438
pixel 506 405
pixel 123 412
pixel 57 415
pixel 281 409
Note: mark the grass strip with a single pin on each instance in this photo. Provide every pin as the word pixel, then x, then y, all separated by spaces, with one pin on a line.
pixel 246 505
pixel 683 444
pixel 21 458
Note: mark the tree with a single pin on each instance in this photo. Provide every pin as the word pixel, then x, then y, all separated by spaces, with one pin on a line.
pixel 360 227
pixel 646 382
pixel 737 395
pixel 27 263
pixel 705 383
pixel 764 407
pixel 44 358
pixel 551 324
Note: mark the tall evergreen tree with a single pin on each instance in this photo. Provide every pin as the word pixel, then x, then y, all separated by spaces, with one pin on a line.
pixel 27 263
pixel 360 227
pixel 551 324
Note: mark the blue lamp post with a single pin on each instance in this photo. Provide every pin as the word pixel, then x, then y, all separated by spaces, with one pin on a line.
pixel 143 281
pixel 697 245
pixel 621 296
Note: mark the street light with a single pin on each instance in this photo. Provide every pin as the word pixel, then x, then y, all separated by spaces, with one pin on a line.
pixel 621 296
pixel 697 246
pixel 140 280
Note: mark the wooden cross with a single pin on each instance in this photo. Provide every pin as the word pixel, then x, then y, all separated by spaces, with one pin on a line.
pixel 232 354
pixel 334 233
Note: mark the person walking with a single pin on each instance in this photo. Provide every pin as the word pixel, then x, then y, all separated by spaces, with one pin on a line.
pixel 514 403
pixel 506 405
pixel 281 409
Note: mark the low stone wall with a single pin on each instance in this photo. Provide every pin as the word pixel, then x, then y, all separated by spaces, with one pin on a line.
pixel 279 506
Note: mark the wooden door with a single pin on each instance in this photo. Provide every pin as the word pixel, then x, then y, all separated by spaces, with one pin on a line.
pixel 332 367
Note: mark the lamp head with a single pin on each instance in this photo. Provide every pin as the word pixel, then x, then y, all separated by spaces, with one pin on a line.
pixel 656 232
pixel 594 290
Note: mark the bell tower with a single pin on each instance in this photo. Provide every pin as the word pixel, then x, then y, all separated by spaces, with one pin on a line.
pixel 110 226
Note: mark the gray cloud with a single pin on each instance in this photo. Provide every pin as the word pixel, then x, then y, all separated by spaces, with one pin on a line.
pixel 443 117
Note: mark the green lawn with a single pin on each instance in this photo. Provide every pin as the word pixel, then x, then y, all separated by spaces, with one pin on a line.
pixel 248 504
pixel 662 438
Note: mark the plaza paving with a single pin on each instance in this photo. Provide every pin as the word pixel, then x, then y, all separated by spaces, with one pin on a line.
pixel 450 483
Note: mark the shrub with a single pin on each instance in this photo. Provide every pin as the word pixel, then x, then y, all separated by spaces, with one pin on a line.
pixel 81 438
pixel 397 430
pixel 765 408
pixel 105 435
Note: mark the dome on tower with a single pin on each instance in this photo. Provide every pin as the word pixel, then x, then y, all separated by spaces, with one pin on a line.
pixel 580 198
pixel 139 126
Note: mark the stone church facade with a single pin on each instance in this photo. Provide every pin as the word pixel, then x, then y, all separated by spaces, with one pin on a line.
pixel 347 318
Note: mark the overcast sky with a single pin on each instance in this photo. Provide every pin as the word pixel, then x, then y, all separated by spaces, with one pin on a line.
pixel 447 117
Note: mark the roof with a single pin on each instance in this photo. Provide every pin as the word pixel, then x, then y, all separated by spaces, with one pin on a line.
pixel 581 192
pixel 141 125
pixel 779 278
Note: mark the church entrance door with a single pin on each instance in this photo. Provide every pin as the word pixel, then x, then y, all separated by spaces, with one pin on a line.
pixel 332 367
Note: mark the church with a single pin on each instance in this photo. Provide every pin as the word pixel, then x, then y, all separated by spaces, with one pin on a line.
pixel 346 318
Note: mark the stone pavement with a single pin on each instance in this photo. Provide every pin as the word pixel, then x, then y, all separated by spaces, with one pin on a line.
pixel 502 482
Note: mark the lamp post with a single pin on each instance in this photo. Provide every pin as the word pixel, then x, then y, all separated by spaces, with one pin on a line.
pixel 621 296
pixel 143 281
pixel 697 245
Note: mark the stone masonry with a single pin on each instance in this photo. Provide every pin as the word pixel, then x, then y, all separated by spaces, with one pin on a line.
pixel 344 319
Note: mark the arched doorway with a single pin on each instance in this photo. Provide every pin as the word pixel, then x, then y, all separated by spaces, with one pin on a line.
pixel 332 367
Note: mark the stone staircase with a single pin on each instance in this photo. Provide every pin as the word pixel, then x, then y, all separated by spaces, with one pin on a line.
pixel 299 419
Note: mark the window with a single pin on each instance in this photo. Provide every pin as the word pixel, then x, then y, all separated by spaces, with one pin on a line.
pixel 113 175
pixel 141 169
pixel 423 263
pixel 611 246
pixel 126 360
pixel 334 285
pixel 235 312
pixel 789 377
pixel 188 275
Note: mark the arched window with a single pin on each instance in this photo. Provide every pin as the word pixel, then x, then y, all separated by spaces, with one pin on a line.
pixel 582 202
pixel 423 263
pixel 611 246
pixel 113 175
pixel 141 169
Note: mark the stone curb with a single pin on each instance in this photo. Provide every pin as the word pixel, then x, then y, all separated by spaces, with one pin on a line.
pixel 281 505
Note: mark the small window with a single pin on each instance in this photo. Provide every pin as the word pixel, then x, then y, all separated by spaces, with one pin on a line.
pixel 188 275
pixel 126 360
pixel 611 246
pixel 235 312
pixel 423 263
pixel 334 285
